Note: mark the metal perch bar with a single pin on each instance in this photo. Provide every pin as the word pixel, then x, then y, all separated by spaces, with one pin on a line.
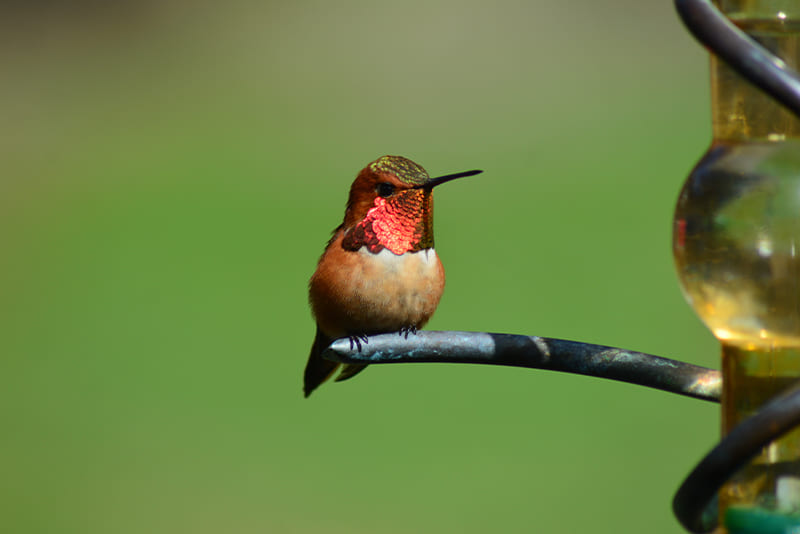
pixel 535 353
pixel 694 503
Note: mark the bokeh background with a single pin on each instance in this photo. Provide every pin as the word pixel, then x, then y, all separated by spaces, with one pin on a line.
pixel 170 174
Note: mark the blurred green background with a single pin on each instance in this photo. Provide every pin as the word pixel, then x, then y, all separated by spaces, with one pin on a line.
pixel 170 174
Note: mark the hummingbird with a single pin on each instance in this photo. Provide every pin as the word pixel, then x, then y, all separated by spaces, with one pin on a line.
pixel 379 272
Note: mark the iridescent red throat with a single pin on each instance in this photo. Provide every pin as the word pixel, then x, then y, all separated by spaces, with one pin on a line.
pixel 402 223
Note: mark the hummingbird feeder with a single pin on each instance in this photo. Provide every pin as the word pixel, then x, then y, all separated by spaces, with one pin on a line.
pixel 736 244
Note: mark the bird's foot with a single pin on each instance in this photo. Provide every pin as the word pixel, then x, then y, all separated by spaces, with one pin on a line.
pixel 412 329
pixel 355 341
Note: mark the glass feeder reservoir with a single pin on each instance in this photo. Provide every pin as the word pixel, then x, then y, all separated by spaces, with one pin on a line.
pixel 736 242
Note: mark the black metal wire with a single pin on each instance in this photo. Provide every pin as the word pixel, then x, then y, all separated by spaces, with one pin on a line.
pixel 742 53
pixel 535 353
pixel 694 503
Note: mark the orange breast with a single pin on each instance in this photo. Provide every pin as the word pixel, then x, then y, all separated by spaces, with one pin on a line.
pixel 360 292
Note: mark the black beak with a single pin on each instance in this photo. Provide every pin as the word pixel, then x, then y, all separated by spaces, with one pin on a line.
pixel 433 182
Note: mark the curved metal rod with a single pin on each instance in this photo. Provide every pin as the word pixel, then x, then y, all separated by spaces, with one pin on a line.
pixel 694 503
pixel 743 54
pixel 536 353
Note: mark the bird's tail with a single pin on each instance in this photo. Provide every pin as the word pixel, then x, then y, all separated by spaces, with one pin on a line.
pixel 349 371
pixel 318 369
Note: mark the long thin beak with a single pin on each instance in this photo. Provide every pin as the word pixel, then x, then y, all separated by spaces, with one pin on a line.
pixel 433 182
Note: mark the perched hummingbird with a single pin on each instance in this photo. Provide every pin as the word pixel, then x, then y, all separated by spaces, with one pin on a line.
pixel 379 272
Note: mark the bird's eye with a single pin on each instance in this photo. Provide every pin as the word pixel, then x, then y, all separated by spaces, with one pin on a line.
pixel 385 189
